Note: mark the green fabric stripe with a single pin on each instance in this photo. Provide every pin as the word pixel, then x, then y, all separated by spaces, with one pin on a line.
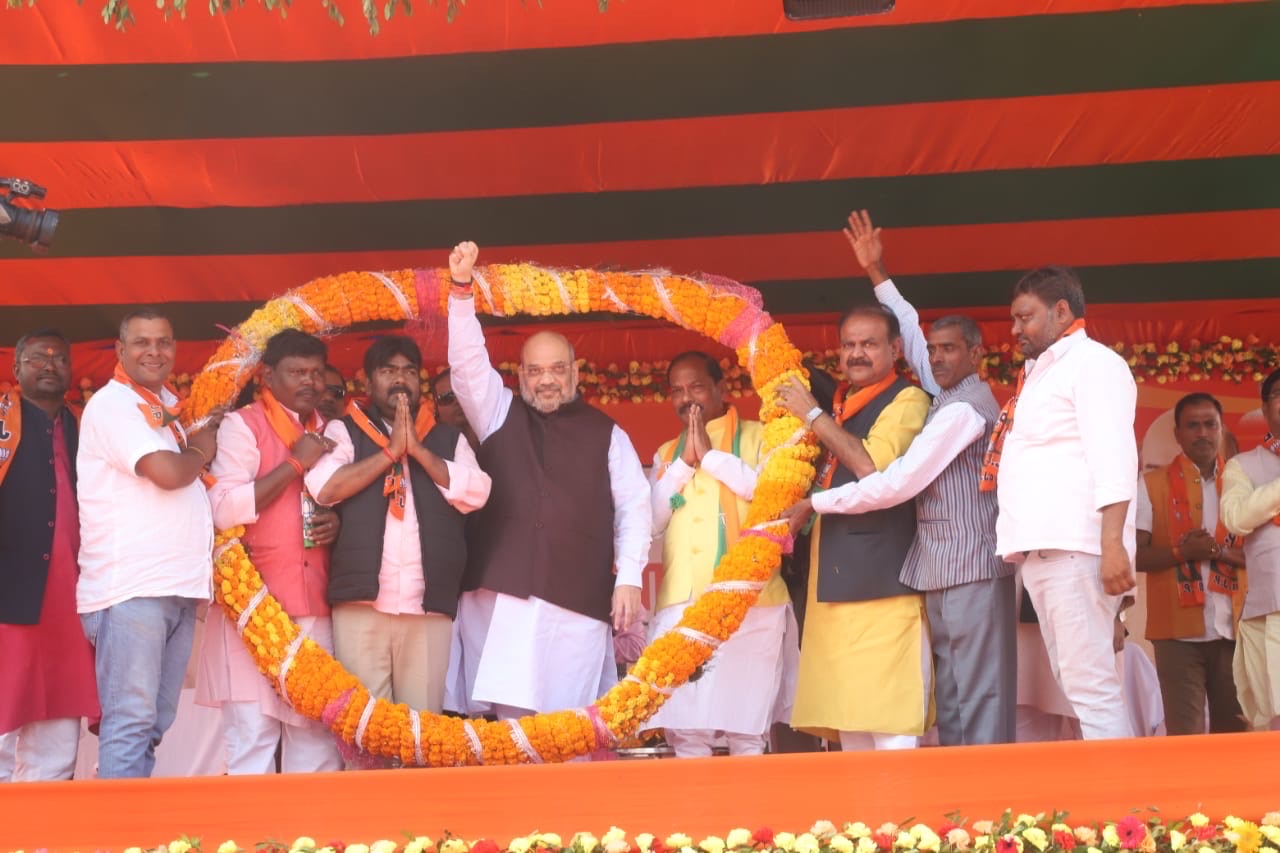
pixel 844 67
pixel 1138 283
pixel 1240 183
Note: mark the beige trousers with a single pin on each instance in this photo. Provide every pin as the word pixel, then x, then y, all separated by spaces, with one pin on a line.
pixel 401 657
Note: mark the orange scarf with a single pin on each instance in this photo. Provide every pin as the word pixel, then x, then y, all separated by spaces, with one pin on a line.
pixel 393 486
pixel 1183 518
pixel 282 424
pixel 847 405
pixel 10 428
pixel 729 441
pixel 1272 442
pixel 995 446
pixel 154 409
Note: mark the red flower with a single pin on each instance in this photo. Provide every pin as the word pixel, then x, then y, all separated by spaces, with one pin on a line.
pixel 884 840
pixel 659 846
pixel 338 846
pixel 485 845
pixel 1202 833
pixel 1132 831
pixel 1065 840
pixel 946 827
pixel 1006 844
pixel 763 836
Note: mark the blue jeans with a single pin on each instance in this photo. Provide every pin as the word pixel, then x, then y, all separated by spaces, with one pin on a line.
pixel 141 648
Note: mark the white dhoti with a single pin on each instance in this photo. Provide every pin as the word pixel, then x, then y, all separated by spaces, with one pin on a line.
pixel 749 682
pixel 518 654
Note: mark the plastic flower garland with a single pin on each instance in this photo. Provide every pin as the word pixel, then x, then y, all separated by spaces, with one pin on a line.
pixel 1023 834
pixel 320 688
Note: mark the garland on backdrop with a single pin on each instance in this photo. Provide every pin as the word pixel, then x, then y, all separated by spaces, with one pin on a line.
pixel 1224 360
pixel 318 686
pixel 1023 834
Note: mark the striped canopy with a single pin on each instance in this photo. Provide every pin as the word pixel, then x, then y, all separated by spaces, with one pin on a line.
pixel 212 163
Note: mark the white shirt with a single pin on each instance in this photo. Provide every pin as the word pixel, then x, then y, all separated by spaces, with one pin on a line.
pixel 1217 607
pixel 137 540
pixel 1070 452
pixel 724 467
pixel 955 426
pixel 487 402
pixel 401 585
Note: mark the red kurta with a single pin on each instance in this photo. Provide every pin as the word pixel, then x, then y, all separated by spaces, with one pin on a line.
pixel 48 672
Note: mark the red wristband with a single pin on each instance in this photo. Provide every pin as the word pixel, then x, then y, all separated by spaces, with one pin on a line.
pixel 1177 555
pixel 295 465
pixel 389 456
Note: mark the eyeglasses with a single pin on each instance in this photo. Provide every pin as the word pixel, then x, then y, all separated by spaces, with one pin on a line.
pixel 42 361
pixel 338 391
pixel 448 398
pixel 559 370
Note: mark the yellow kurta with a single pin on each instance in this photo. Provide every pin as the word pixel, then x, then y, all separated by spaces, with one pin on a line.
pixel 861 661
pixel 690 542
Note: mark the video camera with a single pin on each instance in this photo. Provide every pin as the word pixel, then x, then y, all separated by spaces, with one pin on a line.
pixel 30 226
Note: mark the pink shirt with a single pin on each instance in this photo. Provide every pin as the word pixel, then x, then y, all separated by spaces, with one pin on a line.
pixel 400 583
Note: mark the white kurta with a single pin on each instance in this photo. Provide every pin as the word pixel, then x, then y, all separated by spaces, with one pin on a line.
pixel 529 653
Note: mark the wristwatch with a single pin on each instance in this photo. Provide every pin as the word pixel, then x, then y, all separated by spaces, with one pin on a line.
pixel 813 415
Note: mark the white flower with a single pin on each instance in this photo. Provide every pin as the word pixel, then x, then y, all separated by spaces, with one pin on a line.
pixel 1198 820
pixel 739 838
pixel 585 841
pixel 520 845
pixel 1110 836
pixel 857 830
pixel 644 841
pixel 357 848
pixel 452 845
pixel 1036 836
pixel 1026 820
pixel 784 841
pixel 617 845
pixel 302 843
pixel 959 838
pixel 841 844
pixel 807 843
pixel 1176 839
pixel 614 834
pixel 179 846
pixel 866 845
pixel 133 850
pixel 383 846
pixel 687 849
pixel 418 845
pixel 823 827
pixel 982 842
pixel 678 839
pixel 550 839
pixel 228 847
pixel 711 844
pixel 904 841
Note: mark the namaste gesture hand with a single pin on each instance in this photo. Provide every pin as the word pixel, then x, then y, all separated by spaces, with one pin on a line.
pixel 401 428
pixel 697 442
pixel 864 239
pixel 462 260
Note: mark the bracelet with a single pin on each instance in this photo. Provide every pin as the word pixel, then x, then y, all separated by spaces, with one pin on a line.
pixel 295 465
pixel 203 456
pixel 814 413
pixel 387 453
pixel 1177 555
pixel 461 285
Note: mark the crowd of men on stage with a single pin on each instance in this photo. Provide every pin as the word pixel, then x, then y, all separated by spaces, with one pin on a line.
pixel 471 549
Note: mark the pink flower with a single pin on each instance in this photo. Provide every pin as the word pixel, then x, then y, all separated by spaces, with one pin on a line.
pixel 1132 831
pixel 763 835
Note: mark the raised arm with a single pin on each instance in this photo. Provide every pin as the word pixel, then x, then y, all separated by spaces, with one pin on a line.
pixel 483 397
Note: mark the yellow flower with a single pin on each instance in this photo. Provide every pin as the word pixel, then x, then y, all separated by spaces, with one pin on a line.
pixel 133 850
pixel 1231 821
pixel 1246 837
pixel 983 827
pixel 711 844
pixel 904 841
pixel 585 841
pixel 1271 833
pixel 926 838
pixel 1176 840
pixel 644 841
pixel 982 842
pixel 784 841
pixel 1198 820
pixel 550 839
pixel 808 843
pixel 857 830
pixel 739 838
pixel 303 843
pixel 228 847
pixel 519 845
pixel 418 845
pixel 1026 820
pixel 1271 819
pixel 678 839
pixel 1036 836
pixel 179 846
pixel 866 845
pixel 614 834
pixel 841 844
pixel 452 845
pixel 357 848
pixel 1110 836
pixel 383 846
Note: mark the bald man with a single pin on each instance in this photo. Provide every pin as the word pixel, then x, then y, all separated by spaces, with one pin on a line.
pixel 555 558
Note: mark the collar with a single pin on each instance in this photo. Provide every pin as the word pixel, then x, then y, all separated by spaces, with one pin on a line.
pixel 947 393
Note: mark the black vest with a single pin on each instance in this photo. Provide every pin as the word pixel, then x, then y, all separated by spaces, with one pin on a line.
pixel 356 556
pixel 860 556
pixel 27 508
pixel 547 530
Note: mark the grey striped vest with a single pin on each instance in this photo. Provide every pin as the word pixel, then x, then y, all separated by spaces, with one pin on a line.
pixel 955 541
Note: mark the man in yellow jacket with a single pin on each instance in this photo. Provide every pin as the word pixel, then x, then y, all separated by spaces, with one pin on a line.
pixel 702 481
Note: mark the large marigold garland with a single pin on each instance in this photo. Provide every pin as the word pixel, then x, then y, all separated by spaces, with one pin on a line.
pixel 319 687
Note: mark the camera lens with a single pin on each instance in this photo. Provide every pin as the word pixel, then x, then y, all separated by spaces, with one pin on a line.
pixel 31 226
